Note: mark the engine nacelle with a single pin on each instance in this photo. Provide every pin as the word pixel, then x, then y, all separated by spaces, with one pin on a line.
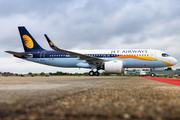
pixel 115 67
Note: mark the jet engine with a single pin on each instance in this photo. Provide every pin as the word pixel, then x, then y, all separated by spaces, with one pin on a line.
pixel 115 67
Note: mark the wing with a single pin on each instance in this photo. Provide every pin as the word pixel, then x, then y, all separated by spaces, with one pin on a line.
pixel 21 55
pixel 88 59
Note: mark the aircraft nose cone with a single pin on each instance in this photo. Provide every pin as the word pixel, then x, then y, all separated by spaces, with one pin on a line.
pixel 174 61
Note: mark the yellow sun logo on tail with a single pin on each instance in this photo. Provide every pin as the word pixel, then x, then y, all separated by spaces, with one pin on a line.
pixel 50 43
pixel 27 41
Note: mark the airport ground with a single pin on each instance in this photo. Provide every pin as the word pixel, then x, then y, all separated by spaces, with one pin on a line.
pixel 73 97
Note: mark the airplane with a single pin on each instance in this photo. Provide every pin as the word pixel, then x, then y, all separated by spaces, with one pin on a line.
pixel 112 61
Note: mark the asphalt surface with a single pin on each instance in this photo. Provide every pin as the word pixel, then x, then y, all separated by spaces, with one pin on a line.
pixel 75 98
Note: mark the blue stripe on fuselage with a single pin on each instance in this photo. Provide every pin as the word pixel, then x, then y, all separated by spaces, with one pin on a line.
pixel 72 62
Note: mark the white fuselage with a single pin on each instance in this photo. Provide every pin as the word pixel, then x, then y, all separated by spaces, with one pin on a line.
pixel 140 58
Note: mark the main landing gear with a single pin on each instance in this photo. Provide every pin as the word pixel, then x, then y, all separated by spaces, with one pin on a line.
pixel 92 73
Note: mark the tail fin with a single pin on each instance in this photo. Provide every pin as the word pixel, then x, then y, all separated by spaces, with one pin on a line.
pixel 28 41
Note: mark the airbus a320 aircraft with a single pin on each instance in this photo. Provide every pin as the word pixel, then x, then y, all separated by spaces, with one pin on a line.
pixel 112 61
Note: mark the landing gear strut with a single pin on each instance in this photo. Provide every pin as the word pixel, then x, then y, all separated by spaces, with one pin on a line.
pixel 92 73
pixel 152 74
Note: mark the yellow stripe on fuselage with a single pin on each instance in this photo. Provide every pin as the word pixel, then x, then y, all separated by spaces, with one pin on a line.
pixel 168 64
pixel 147 58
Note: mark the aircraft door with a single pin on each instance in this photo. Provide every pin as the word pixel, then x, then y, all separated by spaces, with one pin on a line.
pixel 42 56
pixel 153 55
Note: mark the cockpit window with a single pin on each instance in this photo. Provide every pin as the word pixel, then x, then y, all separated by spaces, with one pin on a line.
pixel 165 55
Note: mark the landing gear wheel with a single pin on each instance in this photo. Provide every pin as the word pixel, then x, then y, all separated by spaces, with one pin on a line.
pixel 96 73
pixel 91 73
pixel 152 75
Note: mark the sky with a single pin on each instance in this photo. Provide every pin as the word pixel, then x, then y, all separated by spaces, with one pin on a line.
pixel 88 24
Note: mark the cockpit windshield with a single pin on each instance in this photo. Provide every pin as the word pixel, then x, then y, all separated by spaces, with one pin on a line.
pixel 165 55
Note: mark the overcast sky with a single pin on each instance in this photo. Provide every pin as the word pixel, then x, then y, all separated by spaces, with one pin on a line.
pixel 88 24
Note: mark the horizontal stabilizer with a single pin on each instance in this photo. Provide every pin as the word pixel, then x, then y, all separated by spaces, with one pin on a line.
pixel 21 55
